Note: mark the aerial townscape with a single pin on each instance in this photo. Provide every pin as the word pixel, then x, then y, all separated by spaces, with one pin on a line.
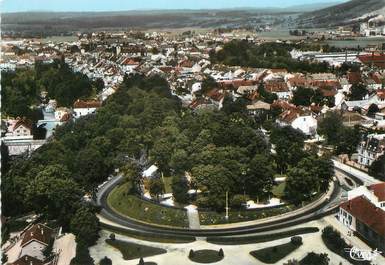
pixel 211 132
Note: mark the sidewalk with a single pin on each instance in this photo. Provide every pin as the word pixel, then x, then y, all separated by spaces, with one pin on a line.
pixel 193 217
pixel 352 240
pixel 365 178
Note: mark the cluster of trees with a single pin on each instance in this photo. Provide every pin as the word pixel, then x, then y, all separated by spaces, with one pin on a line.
pixel 358 92
pixel 83 153
pixel 219 148
pixel 266 55
pixel 21 89
pixel 344 139
pixel 53 180
pixel 377 168
pixel 306 96
pixel 337 244
pixel 306 172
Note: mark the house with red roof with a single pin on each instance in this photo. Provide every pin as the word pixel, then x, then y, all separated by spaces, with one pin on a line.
pixel 85 107
pixel 364 213
pixel 19 128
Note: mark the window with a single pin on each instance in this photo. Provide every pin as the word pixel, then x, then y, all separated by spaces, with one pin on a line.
pixel 350 220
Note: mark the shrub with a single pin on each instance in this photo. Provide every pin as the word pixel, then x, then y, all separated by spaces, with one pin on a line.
pixel 237 201
pixel 314 258
pixel 105 261
pixel 112 236
pixel 337 244
pixel 82 255
pixel 296 240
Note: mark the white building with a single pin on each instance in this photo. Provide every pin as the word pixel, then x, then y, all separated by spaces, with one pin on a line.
pixel 371 149
pixel 306 124
pixel 83 108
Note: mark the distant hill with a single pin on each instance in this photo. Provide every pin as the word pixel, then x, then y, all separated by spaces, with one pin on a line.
pixel 341 14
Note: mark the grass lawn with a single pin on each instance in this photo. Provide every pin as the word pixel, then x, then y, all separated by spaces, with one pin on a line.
pixel 136 208
pixel 278 190
pixel 212 217
pixel 134 251
pixel 206 256
pixel 274 254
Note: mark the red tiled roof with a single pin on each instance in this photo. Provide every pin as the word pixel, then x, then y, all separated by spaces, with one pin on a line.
pixel 27 260
pixel 289 116
pixel 39 233
pixel 79 104
pixel 129 61
pixel 381 93
pixel 354 77
pixel 215 94
pixel 326 84
pixel 25 122
pixel 276 86
pixel 65 117
pixel 367 213
pixel 328 92
pixel 379 191
pixel 283 105
pixel 298 81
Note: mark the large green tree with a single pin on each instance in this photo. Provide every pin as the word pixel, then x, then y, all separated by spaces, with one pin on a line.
pixel 53 193
pixel 259 177
pixel 377 168
pixel 85 226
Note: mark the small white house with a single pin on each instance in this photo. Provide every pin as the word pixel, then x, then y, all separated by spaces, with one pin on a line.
pixel 83 108
pixel 150 172
pixel 306 124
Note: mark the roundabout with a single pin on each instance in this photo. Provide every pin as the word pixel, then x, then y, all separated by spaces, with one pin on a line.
pixel 322 206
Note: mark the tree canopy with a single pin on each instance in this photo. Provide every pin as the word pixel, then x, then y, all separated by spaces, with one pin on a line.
pixel 265 55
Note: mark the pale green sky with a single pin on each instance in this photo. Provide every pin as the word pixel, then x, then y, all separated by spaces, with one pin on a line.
pixel 120 5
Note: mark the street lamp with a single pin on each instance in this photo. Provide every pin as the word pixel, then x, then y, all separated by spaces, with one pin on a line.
pixel 227 206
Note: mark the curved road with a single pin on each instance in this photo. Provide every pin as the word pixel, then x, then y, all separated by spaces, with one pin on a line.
pixel 321 207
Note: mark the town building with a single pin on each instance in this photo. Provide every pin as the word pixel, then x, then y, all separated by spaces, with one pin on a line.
pixel 364 213
pixel 85 107
pixel 371 149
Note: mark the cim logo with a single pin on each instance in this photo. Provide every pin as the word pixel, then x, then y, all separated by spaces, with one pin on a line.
pixel 362 255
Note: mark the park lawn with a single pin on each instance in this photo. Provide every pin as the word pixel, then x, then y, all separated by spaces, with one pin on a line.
pixel 274 254
pixel 206 256
pixel 134 251
pixel 279 190
pixel 136 208
pixel 213 218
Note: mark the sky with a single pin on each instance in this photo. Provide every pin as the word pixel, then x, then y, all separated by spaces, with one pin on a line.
pixel 122 5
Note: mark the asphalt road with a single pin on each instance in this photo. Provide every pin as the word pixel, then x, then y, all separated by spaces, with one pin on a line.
pixel 326 205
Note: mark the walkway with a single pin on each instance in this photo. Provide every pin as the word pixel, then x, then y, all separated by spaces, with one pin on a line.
pixel 365 178
pixel 234 254
pixel 193 217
